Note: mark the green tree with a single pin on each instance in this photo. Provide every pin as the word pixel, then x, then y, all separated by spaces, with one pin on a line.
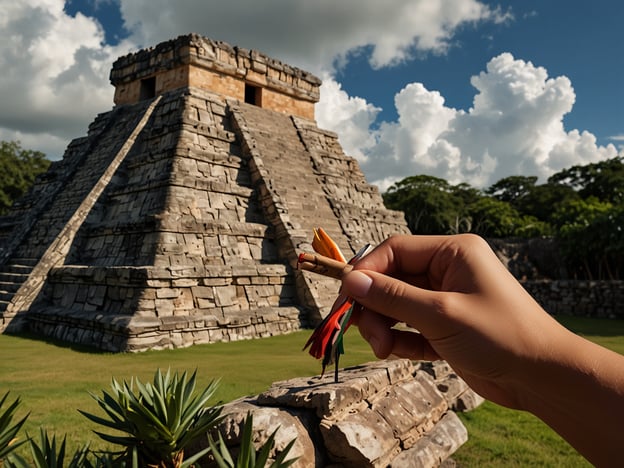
pixel 431 205
pixel 512 189
pixel 18 169
pixel 494 218
pixel 603 180
pixel 530 199
pixel 591 238
pixel 543 200
pixel 579 213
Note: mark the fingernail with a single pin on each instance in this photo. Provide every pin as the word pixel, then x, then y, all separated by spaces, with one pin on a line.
pixel 357 283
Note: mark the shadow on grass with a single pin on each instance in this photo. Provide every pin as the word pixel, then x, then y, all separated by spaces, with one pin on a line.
pixel 80 348
pixel 590 326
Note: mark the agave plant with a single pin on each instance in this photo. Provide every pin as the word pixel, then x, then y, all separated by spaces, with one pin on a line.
pixel 45 454
pixel 159 421
pixel 8 431
pixel 248 457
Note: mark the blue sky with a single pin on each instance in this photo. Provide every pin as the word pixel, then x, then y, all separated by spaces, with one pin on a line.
pixel 467 90
pixel 578 39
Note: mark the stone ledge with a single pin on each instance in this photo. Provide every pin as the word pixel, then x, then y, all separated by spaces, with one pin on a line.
pixel 127 333
pixel 385 413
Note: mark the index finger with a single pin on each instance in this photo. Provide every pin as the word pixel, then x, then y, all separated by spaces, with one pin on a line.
pixel 407 257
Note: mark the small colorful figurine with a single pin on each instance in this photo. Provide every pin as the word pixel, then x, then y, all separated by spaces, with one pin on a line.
pixel 326 341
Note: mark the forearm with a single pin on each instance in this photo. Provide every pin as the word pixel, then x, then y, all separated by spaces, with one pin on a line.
pixel 578 390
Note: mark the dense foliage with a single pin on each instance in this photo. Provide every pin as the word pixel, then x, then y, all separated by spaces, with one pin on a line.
pixel 18 169
pixel 582 207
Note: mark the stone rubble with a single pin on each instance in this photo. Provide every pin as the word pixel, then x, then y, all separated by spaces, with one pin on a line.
pixel 386 413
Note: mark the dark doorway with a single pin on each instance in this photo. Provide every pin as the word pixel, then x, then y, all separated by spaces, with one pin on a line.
pixel 253 95
pixel 148 88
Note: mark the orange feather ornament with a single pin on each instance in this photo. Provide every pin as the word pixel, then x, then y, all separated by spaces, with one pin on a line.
pixel 327 340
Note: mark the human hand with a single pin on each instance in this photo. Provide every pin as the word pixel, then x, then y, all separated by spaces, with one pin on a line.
pixel 466 307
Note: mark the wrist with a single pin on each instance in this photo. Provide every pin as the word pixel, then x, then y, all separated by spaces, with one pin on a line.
pixel 577 388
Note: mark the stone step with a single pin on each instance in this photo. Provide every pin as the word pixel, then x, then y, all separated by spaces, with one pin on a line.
pixel 14 269
pixel 6 296
pixel 8 223
pixel 9 287
pixel 9 277
pixel 108 225
pixel 23 262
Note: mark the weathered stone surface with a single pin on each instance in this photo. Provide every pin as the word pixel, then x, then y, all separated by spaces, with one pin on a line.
pixel 196 61
pixel 189 205
pixel 434 448
pixel 536 263
pixel 367 419
pixel 289 426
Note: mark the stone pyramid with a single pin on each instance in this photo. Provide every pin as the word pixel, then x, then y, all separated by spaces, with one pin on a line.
pixel 177 219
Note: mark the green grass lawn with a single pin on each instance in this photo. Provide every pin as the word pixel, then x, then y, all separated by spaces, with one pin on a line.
pixel 54 380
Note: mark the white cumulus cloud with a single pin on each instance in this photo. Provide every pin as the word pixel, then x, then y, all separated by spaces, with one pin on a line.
pixel 350 117
pixel 56 67
pixel 515 127
pixel 311 34
pixel 54 76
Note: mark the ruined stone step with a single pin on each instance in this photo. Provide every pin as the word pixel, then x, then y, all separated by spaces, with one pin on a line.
pixel 10 277
pixel 9 287
pixel 146 186
pixel 7 223
pixel 21 263
pixel 6 296
pixel 109 226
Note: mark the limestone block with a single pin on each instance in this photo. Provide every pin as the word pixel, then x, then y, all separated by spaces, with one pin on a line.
pixel 434 447
pixel 266 420
pixel 225 296
pixel 184 301
pixel 467 401
pixel 359 439
pixel 167 293
pixel 203 292
pixel 356 433
pixel 163 307
pixel 184 282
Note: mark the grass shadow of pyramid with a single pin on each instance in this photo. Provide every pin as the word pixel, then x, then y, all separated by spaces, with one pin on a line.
pixel 177 219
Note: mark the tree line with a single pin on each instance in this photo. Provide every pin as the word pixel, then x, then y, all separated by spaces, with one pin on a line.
pixel 581 208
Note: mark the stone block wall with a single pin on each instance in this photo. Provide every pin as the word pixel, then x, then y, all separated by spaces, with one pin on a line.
pixel 182 220
pixel 537 265
pixel 357 205
pixel 583 298
pixel 382 414
pixel 196 61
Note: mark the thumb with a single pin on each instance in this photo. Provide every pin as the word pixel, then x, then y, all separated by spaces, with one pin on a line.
pixel 419 308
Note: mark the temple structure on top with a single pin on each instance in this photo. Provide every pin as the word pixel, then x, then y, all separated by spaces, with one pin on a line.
pixel 197 62
pixel 178 218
